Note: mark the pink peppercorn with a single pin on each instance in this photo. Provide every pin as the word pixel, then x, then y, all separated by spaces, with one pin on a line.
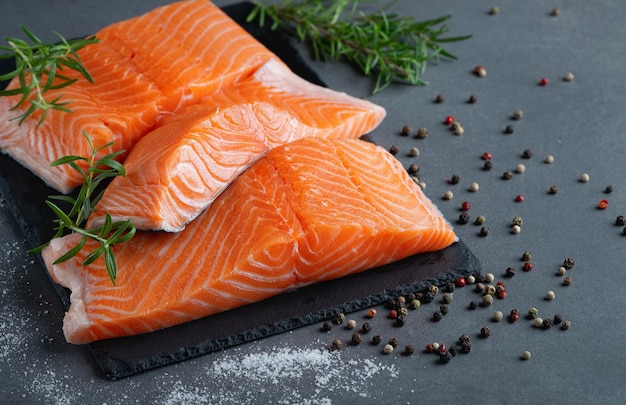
pixel 393 314
pixel 460 282
pixel 501 294
pixel 528 266
pixel 543 81
pixel 442 348
pixel 519 198
pixel 603 204
pixel 449 120
pixel 465 206
pixel 486 156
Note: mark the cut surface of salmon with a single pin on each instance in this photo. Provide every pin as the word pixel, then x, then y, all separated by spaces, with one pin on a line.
pixel 143 67
pixel 177 170
pixel 308 211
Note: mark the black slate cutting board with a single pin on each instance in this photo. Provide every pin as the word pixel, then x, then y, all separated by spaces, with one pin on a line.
pixel 117 358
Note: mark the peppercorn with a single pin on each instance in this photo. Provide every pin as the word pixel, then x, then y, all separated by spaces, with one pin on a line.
pixel 422 133
pixel 449 120
pixel 460 282
pixel 509 272
pixel 428 297
pixel 557 319
pixel 568 77
pixel 494 10
pixel 624 231
pixel 473 305
pixel 519 198
pixel 465 338
pixel 371 313
pixel 516 229
pixel 549 159
pixel 485 332
pixel 465 206
pixel 489 277
pixel 527 154
pixel 444 310
pixel 377 339
pixel 445 357
pixel 561 270
pixel 497 316
pixel 419 295
pixel 470 279
pixel 517 115
pixel 568 263
pixel 413 152
pixel 466 347
pixel 488 165
pixel 393 342
pixel 337 344
pixel 489 290
pixel 543 82
pixel 487 300
pixel 351 324
pixel 464 218
pixel 394 150
pixel 440 98
pixel 400 320
pixel 484 231
pixel 327 326
pixel 528 266
pixel 408 350
pixel 474 187
pixel 608 189
pixel 500 288
pixel 454 179
pixel 526 355
pixel 514 315
pixel 433 289
pixel 406 130
pixel 508 129
pixel 620 221
pixel 340 318
pixel 517 220
pixel 393 314
pixel 584 178
pixel 429 348
pixel 533 313
pixel 603 204
pixel 553 190
pixel 435 346
pixel 556 11
pixel 472 99
pixel 447 297
pixel 357 338
pixel 520 168
pixel 537 322
pixel 388 349
pixel 415 304
pixel 449 288
pixel 458 130
pixel 455 124
pixel 366 328
pixel 403 312
pixel 480 287
pixel 566 325
pixel 452 351
pixel 550 295
pixel 508 175
pixel 448 195
pixel 480 71
pixel 402 299
pixel 567 281
pixel 437 316
pixel 414 168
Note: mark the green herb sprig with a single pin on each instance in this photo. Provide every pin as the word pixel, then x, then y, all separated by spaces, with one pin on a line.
pixel 38 69
pixel 381 44
pixel 110 233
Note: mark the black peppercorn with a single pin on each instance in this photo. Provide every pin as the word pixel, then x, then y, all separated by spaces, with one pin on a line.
pixel 414 168
pixel 427 297
pixel 484 231
pixel 508 175
pixel 547 323
pixel 465 338
pixel 464 218
pixel 366 328
pixel 400 320
pixel 568 263
pixel 437 316
pixel 452 351
pixel 409 350
pixel 443 309
pixel 327 326
pixel 406 130
pixel 527 154
pixel 510 272
pixel 455 179
pixel 472 99
pixel 440 98
pixel 473 305
pixel 466 347
pixel 557 319
pixel 445 357
pixel 508 129
pixel 394 150
pixel 488 165
pixel 608 189
pixel 448 288
pixel 393 342
pixel 377 339
pixel 357 338
pixel 485 332
pixel 620 220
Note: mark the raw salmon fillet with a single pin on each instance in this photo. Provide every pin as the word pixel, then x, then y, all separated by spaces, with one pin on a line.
pixel 177 170
pixel 309 211
pixel 143 67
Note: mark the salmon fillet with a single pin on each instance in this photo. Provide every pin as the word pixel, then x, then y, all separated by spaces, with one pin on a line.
pixel 308 211
pixel 177 170
pixel 143 67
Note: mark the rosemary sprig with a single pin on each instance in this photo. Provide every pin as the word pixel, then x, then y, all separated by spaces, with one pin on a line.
pixel 110 233
pixel 38 69
pixel 381 44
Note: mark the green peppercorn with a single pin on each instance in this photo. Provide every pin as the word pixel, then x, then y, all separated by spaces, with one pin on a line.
pixel 533 313
pixel 566 325
pixel 447 297
pixel 415 304
pixel 494 10
pixel 517 220
pixel 422 133
pixel 527 256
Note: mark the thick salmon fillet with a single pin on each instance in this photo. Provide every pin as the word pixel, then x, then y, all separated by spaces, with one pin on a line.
pixel 308 211
pixel 142 67
pixel 177 170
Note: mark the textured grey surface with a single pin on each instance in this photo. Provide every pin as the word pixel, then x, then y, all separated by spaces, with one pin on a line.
pixel 580 123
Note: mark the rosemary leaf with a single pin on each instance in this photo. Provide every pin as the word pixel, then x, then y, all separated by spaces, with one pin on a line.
pixel 380 44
